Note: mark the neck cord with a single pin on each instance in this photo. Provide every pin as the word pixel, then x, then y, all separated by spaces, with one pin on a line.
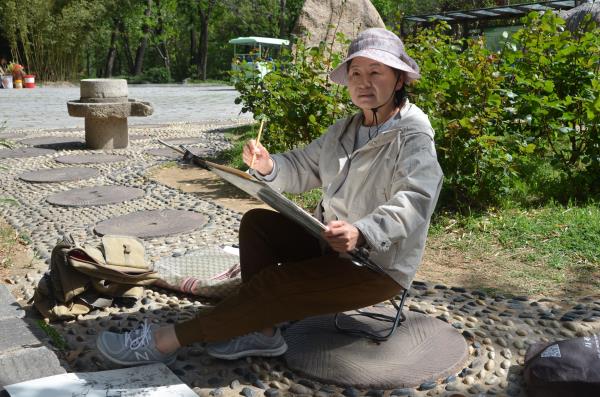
pixel 375 109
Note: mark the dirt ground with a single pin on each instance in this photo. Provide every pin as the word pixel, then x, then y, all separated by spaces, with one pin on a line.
pixel 442 264
pixel 16 257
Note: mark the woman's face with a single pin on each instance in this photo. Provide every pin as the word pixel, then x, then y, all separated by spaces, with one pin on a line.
pixel 371 83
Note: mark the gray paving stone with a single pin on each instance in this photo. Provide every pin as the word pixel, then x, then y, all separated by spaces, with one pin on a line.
pixel 24 152
pixel 95 195
pixel 64 174
pixel 16 334
pixel 155 223
pixel 9 308
pixel 26 364
pixel 47 106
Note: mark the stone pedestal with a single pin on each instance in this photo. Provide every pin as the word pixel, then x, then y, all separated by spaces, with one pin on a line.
pixel 105 105
pixel 105 133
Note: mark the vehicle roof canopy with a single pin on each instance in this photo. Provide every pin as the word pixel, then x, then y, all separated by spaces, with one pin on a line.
pixel 259 40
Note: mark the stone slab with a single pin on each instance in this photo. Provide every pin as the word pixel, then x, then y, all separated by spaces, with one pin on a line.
pixel 138 137
pixel 26 364
pixel 119 110
pixel 184 141
pixel 19 153
pixel 95 195
pixel 164 152
pixel 91 158
pixel 9 308
pixel 55 142
pixel 115 89
pixel 422 349
pixel 65 174
pixel 16 334
pixel 13 135
pixel 156 223
pixel 174 155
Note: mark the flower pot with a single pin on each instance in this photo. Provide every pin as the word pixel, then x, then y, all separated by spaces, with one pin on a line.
pixel 7 81
pixel 29 81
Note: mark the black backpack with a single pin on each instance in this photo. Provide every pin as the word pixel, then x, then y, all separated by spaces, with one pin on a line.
pixel 567 368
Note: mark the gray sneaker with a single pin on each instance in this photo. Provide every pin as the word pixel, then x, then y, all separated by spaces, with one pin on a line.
pixel 253 344
pixel 132 348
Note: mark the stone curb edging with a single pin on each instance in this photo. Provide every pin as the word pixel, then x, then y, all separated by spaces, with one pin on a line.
pixel 23 355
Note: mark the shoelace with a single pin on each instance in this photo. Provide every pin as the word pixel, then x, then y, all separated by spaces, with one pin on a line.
pixel 139 337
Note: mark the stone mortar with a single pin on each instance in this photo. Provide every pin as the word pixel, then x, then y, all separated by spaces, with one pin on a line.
pixel 105 105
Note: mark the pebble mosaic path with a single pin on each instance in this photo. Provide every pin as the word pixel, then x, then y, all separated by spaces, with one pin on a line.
pixel 498 329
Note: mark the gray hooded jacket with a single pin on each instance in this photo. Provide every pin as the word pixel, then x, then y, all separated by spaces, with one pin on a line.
pixel 387 188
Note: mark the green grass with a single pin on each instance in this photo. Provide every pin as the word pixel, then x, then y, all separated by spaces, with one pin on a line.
pixel 551 247
pixel 238 136
pixel 56 338
pixel 555 235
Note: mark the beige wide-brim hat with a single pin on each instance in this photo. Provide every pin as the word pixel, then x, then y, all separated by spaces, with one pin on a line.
pixel 380 45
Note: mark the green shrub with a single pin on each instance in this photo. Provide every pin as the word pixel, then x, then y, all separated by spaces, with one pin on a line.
pixel 553 76
pixel 521 124
pixel 296 99
pixel 155 75
pixel 461 91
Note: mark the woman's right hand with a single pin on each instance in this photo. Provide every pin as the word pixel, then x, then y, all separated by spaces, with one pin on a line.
pixel 262 159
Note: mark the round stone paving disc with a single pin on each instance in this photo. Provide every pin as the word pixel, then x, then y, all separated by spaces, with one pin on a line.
pixel 60 174
pixel 137 137
pixel 422 349
pixel 174 155
pixel 184 141
pixel 95 195
pixel 54 141
pixel 90 158
pixel 23 152
pixel 13 135
pixel 164 152
pixel 152 223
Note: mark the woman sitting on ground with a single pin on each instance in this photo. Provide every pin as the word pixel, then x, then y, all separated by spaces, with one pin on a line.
pixel 380 180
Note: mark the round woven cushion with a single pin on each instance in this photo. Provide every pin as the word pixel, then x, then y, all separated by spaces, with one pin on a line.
pixel 422 349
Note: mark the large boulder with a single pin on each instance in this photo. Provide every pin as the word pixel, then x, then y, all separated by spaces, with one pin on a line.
pixel 324 18
pixel 575 16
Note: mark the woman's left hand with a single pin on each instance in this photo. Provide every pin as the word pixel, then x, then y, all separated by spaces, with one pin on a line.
pixel 342 236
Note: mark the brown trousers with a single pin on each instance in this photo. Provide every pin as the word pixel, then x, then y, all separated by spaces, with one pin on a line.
pixel 285 276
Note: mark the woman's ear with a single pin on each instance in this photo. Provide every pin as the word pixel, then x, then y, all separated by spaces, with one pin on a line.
pixel 400 82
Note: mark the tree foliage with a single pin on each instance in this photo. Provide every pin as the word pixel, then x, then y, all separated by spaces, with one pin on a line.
pixel 297 99
pixel 71 39
pixel 522 123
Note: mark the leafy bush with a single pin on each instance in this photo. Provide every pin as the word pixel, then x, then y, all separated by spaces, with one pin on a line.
pixel 152 75
pixel 461 92
pixel 296 98
pixel 520 124
pixel 553 77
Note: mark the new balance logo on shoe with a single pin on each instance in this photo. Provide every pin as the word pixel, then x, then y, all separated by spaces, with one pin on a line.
pixel 141 356
pixel 132 348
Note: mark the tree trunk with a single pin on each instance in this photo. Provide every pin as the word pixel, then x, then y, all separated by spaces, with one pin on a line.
pixel 126 48
pixel 164 52
pixel 141 51
pixel 282 19
pixel 112 52
pixel 203 50
pixel 193 45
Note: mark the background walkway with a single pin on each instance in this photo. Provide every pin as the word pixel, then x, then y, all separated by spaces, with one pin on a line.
pixel 46 107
